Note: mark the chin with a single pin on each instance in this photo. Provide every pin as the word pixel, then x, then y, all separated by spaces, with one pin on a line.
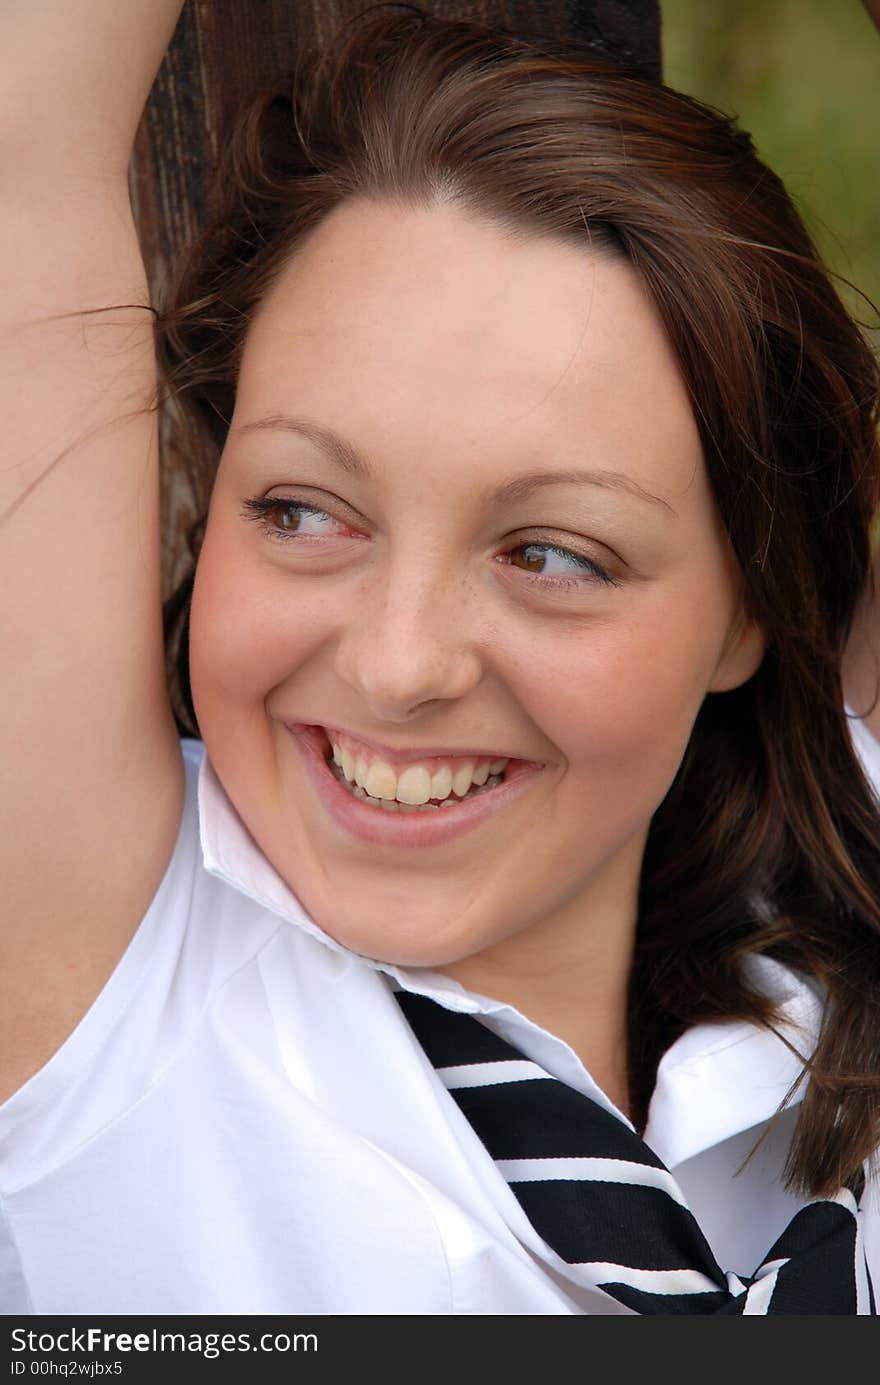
pixel 384 940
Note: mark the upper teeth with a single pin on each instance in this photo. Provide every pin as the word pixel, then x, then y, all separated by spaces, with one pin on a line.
pixel 416 783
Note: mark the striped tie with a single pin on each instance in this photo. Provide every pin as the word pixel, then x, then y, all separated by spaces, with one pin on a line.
pixel 604 1202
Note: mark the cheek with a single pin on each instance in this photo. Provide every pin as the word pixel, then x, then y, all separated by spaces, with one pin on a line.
pixel 244 638
pixel 619 699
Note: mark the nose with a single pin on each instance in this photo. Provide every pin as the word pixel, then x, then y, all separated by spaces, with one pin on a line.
pixel 409 640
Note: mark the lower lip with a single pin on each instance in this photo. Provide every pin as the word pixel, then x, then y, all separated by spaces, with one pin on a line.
pixel 432 827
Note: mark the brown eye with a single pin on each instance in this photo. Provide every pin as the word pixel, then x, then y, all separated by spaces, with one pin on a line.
pixel 288 516
pixel 532 558
pixel 284 519
pixel 558 567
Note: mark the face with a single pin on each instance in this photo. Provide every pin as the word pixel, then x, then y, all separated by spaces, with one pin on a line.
pixel 462 517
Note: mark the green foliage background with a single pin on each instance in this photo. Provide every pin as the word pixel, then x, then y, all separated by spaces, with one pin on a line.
pixel 803 77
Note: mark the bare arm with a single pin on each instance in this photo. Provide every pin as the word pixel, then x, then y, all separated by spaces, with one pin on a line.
pixel 90 780
pixel 76 75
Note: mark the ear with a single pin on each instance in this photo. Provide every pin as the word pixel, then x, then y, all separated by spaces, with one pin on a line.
pixel 741 654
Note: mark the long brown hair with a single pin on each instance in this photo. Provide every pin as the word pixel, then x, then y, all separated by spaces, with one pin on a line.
pixel 768 841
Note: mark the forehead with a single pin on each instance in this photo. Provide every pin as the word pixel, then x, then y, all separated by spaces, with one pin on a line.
pixel 430 333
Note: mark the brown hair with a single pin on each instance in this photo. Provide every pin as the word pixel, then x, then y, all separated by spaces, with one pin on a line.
pixel 768 841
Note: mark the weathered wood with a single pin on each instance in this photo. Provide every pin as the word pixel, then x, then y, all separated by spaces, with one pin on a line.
pixel 223 51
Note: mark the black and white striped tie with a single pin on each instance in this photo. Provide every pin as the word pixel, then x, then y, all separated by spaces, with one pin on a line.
pixel 603 1200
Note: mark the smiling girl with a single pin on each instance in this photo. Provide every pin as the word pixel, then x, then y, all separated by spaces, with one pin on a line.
pixel 545 459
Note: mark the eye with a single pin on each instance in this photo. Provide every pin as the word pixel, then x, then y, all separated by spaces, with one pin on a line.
pixel 547 564
pixel 554 566
pixel 291 519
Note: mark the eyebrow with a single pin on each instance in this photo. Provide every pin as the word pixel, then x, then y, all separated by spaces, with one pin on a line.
pixel 519 488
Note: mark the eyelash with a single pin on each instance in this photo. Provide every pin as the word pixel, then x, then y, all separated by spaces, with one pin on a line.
pixel 260 510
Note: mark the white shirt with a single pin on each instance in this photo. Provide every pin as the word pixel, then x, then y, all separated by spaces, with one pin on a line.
pixel 244 1123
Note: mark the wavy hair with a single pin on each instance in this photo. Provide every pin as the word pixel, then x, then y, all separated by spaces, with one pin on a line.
pixel 768 841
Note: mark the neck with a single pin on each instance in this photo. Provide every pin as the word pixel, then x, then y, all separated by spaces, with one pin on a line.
pixel 579 995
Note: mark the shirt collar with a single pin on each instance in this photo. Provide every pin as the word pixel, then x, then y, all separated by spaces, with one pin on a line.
pixel 718 1080
pixel 714 1082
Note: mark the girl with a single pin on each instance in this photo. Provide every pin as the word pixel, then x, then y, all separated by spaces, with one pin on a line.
pixel 503 936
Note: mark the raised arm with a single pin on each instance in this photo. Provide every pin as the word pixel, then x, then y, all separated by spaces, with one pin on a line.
pixel 90 781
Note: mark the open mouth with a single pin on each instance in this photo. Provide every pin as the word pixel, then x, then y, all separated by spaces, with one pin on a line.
pixel 392 805
pixel 392 822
